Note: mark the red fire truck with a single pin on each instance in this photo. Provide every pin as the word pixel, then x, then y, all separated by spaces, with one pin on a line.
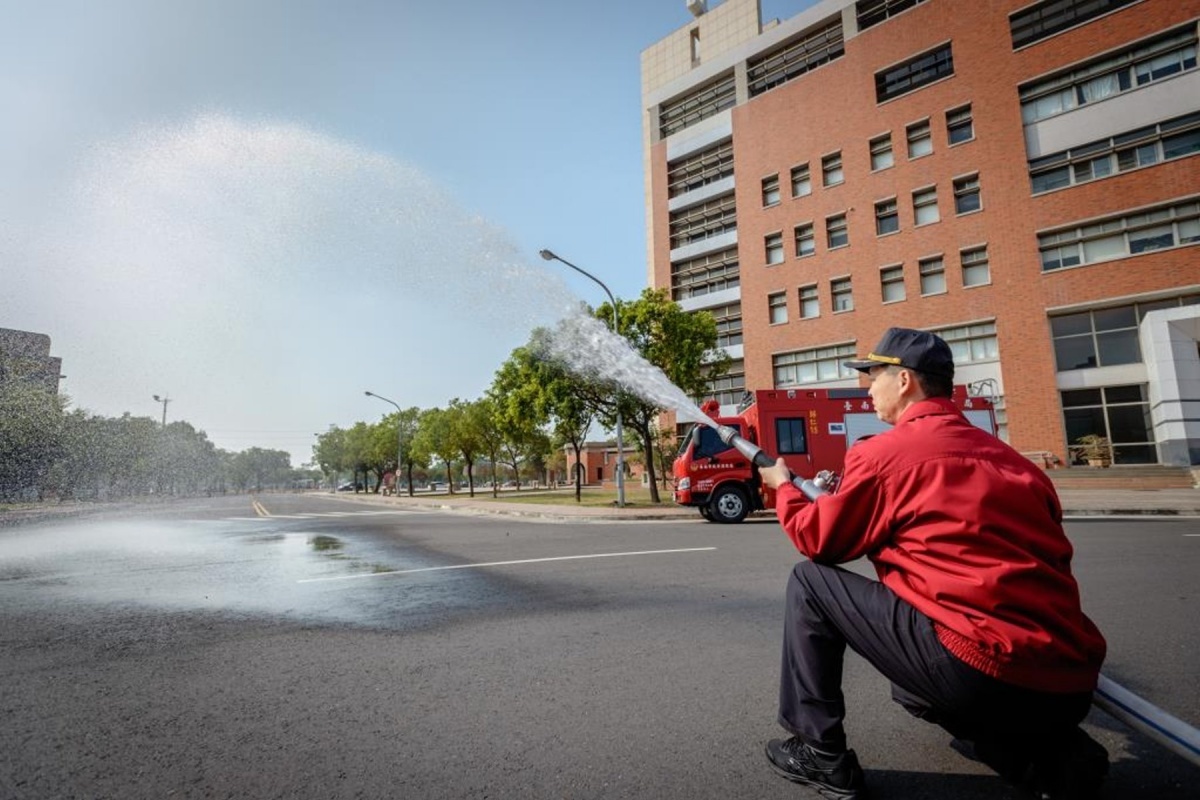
pixel 810 428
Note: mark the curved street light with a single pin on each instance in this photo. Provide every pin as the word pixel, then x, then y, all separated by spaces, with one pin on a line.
pixel 399 436
pixel 164 400
pixel 551 256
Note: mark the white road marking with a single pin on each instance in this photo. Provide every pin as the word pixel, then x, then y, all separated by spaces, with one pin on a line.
pixel 505 563
pixel 314 515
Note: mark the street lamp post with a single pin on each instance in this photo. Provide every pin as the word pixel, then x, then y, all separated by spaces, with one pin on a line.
pixel 399 435
pixel 551 256
pixel 164 400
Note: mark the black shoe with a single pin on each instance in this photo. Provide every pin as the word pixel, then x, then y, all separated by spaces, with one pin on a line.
pixel 1074 772
pixel 837 777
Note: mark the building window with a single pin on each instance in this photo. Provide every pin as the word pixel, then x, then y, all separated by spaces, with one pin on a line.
pixel 729 388
pixel 774 248
pixel 705 101
pixel 1034 23
pixel 842 294
pixel 975 269
pixel 836 232
pixel 794 57
pixel 801 182
pixel 920 140
pixel 881 152
pixel 887 218
pixel 1174 138
pixel 729 324
pixel 770 190
pixel 703 221
pixel 695 46
pixel 873 12
pixel 966 194
pixel 1110 76
pixel 700 169
pixel 933 276
pixel 806 242
pixel 777 308
pixel 1100 338
pixel 972 343
pixel 831 169
pixel 891 280
pixel 960 126
pixel 914 73
pixel 809 302
pixel 1121 414
pixel 712 272
pixel 1118 237
pixel 925 207
pixel 813 365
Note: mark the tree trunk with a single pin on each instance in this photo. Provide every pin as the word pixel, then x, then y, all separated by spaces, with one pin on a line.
pixel 578 474
pixel 648 453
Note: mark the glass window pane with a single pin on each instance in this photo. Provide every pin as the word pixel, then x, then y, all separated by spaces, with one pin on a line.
pixel 1108 319
pixel 790 435
pixel 1181 145
pixel 1189 231
pixel 1045 181
pixel 1082 421
pixel 1120 347
pixel 1134 454
pixel 1102 249
pixel 1134 393
pixel 976 276
pixel 1151 239
pixel 1129 423
pixel 1081 397
pixel 1071 323
pixel 1075 352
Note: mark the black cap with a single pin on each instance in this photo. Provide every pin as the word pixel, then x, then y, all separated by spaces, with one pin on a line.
pixel 906 347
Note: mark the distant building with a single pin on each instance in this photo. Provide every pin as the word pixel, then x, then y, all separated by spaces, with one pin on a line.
pixel 599 461
pixel 1020 177
pixel 25 356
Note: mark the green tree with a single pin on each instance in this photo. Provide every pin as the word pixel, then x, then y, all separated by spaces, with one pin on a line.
pixel 468 420
pixel 330 453
pixel 530 392
pixel 681 344
pixel 435 440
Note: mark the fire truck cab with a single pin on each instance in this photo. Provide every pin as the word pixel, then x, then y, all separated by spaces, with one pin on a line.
pixel 810 428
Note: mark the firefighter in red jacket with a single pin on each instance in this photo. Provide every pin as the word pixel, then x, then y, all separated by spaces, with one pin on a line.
pixel 975 618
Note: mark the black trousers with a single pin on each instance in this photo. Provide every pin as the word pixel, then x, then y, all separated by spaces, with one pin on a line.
pixel 829 608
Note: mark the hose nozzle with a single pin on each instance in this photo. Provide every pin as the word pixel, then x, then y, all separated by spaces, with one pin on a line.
pixel 751 451
pixel 757 456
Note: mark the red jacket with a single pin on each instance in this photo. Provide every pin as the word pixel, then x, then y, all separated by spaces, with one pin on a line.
pixel 969 532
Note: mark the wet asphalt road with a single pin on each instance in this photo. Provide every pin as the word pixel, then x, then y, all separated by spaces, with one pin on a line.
pixel 343 650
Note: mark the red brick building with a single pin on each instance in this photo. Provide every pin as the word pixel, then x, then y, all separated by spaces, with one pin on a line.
pixel 599 461
pixel 1021 178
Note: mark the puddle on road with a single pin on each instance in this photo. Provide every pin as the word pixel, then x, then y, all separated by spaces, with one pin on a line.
pixel 234 567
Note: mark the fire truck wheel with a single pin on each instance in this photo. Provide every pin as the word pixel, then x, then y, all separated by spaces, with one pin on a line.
pixel 729 504
pixel 706 512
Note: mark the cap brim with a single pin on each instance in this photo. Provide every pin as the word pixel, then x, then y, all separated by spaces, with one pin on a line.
pixel 863 366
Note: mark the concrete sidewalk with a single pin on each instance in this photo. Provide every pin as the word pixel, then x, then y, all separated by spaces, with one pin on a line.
pixel 1076 502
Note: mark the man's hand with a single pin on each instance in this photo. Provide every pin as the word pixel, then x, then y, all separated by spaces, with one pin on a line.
pixel 775 476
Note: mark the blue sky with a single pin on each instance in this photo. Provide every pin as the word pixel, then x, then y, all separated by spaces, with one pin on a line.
pixel 264 208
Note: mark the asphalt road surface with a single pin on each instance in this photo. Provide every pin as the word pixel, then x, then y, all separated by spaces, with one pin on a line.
pixel 313 647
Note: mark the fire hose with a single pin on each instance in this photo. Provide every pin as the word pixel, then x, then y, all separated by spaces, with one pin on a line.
pixel 1110 697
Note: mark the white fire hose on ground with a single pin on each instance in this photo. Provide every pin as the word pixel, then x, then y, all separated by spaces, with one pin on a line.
pixel 1110 697
pixel 1125 706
